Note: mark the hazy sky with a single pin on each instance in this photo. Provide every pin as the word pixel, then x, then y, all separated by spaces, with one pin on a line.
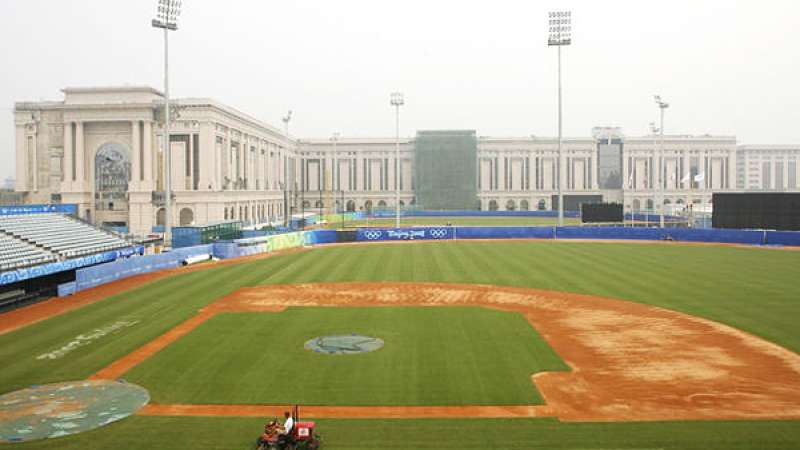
pixel 726 67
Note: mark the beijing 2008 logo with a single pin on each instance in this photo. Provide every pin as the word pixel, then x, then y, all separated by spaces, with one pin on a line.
pixel 372 235
pixel 438 233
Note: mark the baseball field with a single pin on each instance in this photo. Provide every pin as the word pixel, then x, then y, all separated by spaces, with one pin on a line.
pixel 505 344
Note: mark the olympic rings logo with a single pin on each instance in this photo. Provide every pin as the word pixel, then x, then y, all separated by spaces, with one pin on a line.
pixel 372 235
pixel 438 233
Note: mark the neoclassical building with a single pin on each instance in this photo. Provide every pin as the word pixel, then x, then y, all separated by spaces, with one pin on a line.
pixel 103 149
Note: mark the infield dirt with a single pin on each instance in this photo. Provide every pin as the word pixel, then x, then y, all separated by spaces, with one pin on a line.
pixel 629 361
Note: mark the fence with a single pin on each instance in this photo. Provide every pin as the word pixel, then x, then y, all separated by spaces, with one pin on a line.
pixel 747 237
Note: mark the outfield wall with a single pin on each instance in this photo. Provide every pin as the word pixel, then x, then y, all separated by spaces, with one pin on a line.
pixel 746 237
pixel 105 273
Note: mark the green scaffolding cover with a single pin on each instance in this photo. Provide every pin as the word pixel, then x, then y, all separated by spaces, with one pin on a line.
pixel 445 170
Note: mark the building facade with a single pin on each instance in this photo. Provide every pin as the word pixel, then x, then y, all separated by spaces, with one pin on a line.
pixel 103 149
pixel 768 167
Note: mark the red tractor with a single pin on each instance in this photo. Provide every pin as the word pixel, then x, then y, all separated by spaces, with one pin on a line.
pixel 301 437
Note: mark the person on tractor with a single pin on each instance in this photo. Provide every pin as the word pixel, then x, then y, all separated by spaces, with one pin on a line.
pixel 288 424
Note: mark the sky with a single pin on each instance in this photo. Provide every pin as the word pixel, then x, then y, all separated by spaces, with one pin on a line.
pixel 725 67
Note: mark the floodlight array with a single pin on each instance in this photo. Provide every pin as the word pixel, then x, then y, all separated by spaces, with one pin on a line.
pixel 167 14
pixel 560 28
pixel 397 99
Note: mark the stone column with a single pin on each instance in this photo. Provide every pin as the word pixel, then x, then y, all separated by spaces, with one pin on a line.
pixel 80 157
pixel 148 183
pixel 136 163
pixel 66 183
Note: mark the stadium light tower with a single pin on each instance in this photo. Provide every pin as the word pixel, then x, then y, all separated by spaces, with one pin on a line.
pixel 662 105
pixel 397 101
pixel 167 19
pixel 286 119
pixel 560 35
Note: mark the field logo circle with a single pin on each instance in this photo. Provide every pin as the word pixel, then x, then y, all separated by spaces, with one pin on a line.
pixel 60 409
pixel 344 344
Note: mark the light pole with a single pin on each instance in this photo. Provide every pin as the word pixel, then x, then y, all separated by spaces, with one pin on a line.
pixel 661 106
pixel 397 101
pixel 286 119
pixel 560 35
pixel 334 169
pixel 655 130
pixel 167 19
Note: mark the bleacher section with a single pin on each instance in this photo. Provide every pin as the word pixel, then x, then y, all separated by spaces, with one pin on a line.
pixel 59 234
pixel 15 253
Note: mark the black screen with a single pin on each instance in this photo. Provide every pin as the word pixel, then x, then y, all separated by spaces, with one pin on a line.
pixel 768 211
pixel 601 212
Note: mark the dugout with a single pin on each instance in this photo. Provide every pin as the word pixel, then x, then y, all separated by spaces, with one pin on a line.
pixel 32 290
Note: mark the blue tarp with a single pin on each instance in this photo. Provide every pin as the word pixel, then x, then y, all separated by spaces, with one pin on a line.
pixel 404 234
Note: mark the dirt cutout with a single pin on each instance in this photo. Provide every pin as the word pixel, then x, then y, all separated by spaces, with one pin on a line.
pixel 630 362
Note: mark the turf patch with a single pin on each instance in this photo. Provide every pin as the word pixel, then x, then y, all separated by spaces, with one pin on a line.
pixel 432 356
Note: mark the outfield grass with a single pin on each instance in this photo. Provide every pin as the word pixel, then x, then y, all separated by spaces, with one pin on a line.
pixel 752 289
pixel 456 221
pixel 432 356
pixel 179 433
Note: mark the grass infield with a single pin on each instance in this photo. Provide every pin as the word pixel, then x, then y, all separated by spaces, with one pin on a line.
pixel 432 356
pixel 755 290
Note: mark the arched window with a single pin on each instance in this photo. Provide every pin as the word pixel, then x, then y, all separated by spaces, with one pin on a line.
pixel 679 201
pixel 493 205
pixel 368 205
pixel 649 204
pixel 402 203
pixel 226 213
pixel 523 205
pixel 112 170
pixel 542 205
pixel 186 217
pixel 381 204
pixel 161 215
pixel 667 201
pixel 351 205
pixel 318 204
pixel 511 205
pixel 306 204
pixel 637 205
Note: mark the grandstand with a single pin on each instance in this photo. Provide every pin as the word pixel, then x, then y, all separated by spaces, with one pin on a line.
pixel 59 234
pixel 15 254
pixel 42 246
